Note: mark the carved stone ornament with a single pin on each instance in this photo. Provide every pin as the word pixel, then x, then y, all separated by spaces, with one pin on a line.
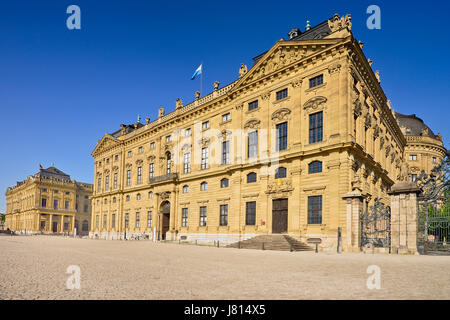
pixel 357 107
pixel 216 85
pixel 265 95
pixel 425 131
pixel 296 83
pixel 252 124
pixel 280 187
pixel 381 142
pixel 164 195
pixel 315 103
pixel 242 70
pixel 403 174
pixel 281 114
pixel 139 162
pixel 224 134
pixel 336 23
pixel 239 107
pixel 204 141
pixel 334 68
pixel 151 158
pixel 377 75
pixel 376 131
pixel 388 150
pixel 128 165
pixel 367 120
pixel 115 168
pixel 186 147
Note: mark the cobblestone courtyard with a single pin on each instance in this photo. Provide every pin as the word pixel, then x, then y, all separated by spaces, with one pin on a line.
pixel 34 267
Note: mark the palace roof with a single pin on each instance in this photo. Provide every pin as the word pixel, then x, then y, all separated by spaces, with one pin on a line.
pixel 414 125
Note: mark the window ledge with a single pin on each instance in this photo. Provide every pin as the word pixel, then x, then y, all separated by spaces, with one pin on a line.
pixel 316 87
pixel 281 100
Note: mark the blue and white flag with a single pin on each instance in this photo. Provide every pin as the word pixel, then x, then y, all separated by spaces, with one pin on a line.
pixel 197 72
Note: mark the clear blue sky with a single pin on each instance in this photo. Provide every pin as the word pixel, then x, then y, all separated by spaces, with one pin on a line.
pixel 61 90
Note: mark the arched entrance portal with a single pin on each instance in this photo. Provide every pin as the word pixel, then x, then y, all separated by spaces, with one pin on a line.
pixel 164 219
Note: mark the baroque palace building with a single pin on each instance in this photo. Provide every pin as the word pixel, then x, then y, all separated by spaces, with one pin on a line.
pixel 49 202
pixel 276 151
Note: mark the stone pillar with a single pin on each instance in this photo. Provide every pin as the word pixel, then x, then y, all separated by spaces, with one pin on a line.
pixel 404 218
pixel 50 223
pixel 62 223
pixel 73 224
pixel 352 234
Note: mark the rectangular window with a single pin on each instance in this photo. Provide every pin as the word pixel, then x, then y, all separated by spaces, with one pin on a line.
pixel 139 175
pixel 187 162
pixel 315 210
pixel 316 127
pixel 413 177
pixel 282 136
pixel 168 139
pixel 130 154
pixel 152 170
pixel 85 209
pixel 66 205
pixel 97 221
pixel 44 202
pixel 115 180
pixel 138 219
pixel 253 105
pixel 226 152
pixel 282 94
pixel 202 216
pixel 99 185
pixel 106 183
pixel 224 215
pixel 434 159
pixel 116 157
pixel 184 217
pixel 413 157
pixel 205 125
pixel 226 117
pixel 187 132
pixel 113 221
pixel 128 177
pixel 105 219
pixel 140 149
pixel 250 213
pixel 313 82
pixel 152 145
pixel 127 220
pixel 149 219
pixel 252 144
pixel 205 163
pixel 55 204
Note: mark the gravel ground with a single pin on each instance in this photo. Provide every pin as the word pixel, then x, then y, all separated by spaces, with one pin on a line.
pixel 34 267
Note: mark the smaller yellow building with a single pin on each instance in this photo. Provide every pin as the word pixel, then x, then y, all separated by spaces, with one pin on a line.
pixel 49 202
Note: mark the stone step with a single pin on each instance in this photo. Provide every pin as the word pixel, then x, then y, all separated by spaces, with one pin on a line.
pixel 272 242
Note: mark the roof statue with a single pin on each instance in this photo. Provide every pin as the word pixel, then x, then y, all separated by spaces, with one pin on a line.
pixel 242 70
pixel 337 23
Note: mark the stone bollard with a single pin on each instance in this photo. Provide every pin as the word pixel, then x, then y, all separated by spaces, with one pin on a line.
pixel 262 247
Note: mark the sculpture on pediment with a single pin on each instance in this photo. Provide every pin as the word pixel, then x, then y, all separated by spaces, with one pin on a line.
pixel 122 130
pixel 204 141
pixel 161 112
pixel 164 195
pixel 178 103
pixel 336 23
pixel 315 103
pixel 242 70
pixel 224 133
pixel 281 114
pixel 377 75
pixel 252 124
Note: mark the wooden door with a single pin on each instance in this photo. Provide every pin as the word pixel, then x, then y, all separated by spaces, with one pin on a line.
pixel 279 215
pixel 165 225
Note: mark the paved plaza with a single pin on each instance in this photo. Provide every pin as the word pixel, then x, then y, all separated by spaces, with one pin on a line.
pixel 34 267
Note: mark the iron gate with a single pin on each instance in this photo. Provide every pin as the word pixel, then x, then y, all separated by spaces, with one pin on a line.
pixel 376 226
pixel 433 209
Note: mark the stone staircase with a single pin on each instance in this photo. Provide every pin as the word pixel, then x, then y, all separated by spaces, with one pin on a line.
pixel 279 242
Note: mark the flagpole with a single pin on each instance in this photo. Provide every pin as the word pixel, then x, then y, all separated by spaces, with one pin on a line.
pixel 201 80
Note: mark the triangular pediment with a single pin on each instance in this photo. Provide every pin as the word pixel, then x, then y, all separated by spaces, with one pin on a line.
pixel 106 143
pixel 282 55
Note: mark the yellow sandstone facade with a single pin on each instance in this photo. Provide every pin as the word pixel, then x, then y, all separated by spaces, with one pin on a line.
pixel 49 202
pixel 279 150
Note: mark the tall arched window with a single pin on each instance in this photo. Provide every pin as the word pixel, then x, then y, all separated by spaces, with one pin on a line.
pixel 280 173
pixel 168 157
pixel 204 186
pixel 85 226
pixel 185 189
pixel 224 183
pixel 315 167
pixel 251 177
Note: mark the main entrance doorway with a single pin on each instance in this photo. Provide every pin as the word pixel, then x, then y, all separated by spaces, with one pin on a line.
pixel 279 215
pixel 165 216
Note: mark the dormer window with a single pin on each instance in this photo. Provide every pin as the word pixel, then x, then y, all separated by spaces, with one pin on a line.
pixel 205 125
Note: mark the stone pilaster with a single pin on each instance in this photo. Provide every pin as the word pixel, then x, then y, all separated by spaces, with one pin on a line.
pixel 352 234
pixel 404 218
